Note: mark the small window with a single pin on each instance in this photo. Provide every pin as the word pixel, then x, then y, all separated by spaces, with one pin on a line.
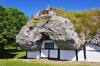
pixel 49 45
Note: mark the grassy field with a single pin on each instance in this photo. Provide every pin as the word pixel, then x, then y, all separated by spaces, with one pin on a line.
pixel 16 62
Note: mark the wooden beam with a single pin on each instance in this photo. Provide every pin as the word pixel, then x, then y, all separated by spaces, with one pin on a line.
pixel 40 54
pixel 84 52
pixel 58 53
pixel 26 54
pixel 76 51
pixel 48 53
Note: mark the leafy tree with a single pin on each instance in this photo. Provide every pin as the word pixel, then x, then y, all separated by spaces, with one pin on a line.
pixel 11 21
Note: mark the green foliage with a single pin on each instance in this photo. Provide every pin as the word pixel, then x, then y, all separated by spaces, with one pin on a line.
pixel 12 53
pixel 83 21
pixel 35 21
pixel 11 21
pixel 47 11
pixel 59 11
pixel 47 18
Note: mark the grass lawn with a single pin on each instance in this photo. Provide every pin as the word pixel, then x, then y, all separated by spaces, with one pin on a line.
pixel 16 62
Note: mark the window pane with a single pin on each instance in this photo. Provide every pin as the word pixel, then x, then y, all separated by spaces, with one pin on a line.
pixel 49 45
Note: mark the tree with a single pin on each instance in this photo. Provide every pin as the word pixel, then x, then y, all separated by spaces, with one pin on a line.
pixel 11 21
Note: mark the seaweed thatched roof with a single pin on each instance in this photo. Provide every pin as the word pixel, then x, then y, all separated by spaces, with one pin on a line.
pixel 46 25
pixel 96 39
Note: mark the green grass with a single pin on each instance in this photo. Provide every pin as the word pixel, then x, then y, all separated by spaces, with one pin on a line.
pixel 20 54
pixel 16 62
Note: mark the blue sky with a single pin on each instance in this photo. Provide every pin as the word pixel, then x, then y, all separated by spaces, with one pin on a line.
pixel 30 7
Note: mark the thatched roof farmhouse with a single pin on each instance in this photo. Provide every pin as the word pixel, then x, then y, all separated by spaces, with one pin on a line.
pixel 48 28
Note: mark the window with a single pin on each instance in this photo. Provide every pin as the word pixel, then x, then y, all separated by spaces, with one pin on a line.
pixel 49 45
